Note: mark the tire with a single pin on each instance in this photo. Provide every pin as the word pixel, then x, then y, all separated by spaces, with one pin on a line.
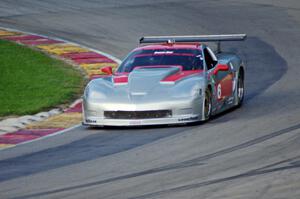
pixel 207 105
pixel 240 89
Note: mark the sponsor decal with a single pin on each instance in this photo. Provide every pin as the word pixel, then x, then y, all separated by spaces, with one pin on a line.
pixel 188 119
pixel 90 121
pixel 163 52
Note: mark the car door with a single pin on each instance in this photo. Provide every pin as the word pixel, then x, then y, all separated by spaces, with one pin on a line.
pixel 225 81
pixel 221 74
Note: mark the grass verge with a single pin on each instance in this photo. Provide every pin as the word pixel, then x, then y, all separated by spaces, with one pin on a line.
pixel 31 81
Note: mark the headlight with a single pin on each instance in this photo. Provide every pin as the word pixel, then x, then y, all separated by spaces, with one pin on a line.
pixel 96 95
pixel 91 94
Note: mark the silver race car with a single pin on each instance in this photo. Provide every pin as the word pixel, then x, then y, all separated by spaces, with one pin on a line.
pixel 167 80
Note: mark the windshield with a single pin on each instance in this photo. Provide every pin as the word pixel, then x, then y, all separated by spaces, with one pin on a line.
pixel 189 59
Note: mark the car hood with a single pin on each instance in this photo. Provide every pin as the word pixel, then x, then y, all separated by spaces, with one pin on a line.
pixel 145 80
pixel 146 84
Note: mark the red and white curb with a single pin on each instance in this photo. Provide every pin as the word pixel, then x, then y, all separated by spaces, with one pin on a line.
pixel 24 129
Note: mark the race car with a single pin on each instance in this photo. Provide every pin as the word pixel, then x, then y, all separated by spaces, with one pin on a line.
pixel 167 80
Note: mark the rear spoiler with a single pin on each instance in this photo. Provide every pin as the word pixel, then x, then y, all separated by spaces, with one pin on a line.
pixel 194 38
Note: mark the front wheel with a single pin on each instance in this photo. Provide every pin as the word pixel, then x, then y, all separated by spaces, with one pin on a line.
pixel 207 105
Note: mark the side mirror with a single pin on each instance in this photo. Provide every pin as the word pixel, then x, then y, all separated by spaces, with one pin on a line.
pixel 221 67
pixel 107 70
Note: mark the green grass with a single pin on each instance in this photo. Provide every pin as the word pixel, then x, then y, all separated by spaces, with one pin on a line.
pixel 31 81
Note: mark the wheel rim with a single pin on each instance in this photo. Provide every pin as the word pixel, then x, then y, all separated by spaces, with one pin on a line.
pixel 240 89
pixel 207 105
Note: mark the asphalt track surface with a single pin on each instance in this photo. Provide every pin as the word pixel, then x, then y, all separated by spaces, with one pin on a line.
pixel 251 152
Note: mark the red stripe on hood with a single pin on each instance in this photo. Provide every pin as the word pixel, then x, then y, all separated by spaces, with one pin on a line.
pixel 180 75
pixel 123 79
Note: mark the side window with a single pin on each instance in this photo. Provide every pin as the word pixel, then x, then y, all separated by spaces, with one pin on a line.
pixel 210 60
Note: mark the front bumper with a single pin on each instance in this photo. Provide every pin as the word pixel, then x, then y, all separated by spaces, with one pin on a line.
pixel 183 111
pixel 96 121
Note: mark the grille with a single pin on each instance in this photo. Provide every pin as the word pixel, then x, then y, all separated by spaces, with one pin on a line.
pixel 137 114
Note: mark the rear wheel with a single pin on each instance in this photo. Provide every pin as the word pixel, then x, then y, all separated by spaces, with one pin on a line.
pixel 240 89
pixel 207 105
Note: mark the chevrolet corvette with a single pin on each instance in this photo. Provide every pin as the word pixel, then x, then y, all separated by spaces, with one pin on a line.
pixel 167 80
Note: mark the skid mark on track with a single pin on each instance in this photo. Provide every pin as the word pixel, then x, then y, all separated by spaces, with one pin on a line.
pixel 267 56
pixel 98 145
pixel 275 167
pixel 293 163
